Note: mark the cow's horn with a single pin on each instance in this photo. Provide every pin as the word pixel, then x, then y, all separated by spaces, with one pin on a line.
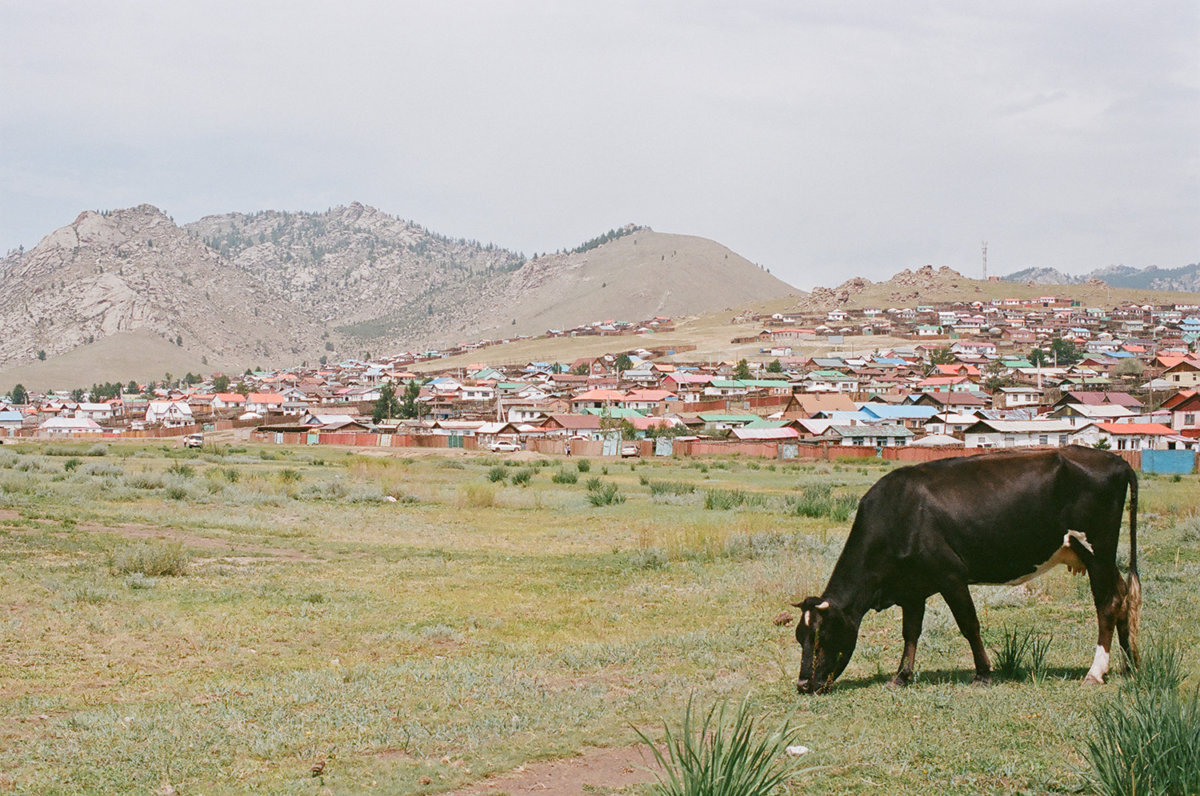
pixel 821 606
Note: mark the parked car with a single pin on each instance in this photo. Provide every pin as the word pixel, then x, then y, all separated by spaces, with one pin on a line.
pixel 503 446
pixel 629 449
pixel 193 441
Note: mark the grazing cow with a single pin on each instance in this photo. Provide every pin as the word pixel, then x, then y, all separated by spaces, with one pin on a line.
pixel 995 518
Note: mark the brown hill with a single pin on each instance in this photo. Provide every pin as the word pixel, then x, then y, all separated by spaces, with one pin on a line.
pixel 278 288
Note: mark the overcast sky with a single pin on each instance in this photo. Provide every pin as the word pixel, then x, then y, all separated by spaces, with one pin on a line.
pixel 821 139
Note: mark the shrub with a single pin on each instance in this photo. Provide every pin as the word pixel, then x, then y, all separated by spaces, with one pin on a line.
pixel 725 499
pixel 722 757
pixel 670 488
pixel 154 559
pixel 583 465
pixel 497 474
pixel 818 500
pixel 1145 742
pixel 479 496
pixel 289 476
pixel 564 476
pixel 522 477
pixel 605 494
pixel 182 470
pixel 71 464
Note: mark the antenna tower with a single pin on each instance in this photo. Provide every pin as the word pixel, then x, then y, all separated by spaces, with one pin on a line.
pixel 985 261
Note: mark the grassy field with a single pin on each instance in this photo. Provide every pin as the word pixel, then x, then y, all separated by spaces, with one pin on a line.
pixel 419 623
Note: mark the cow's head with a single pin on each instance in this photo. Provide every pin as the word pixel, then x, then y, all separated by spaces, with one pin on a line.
pixel 827 638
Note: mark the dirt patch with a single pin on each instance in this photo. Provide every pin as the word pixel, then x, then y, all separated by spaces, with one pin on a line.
pixel 587 772
pixel 9 515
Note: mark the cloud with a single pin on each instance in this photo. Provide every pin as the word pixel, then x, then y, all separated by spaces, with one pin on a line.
pixel 821 140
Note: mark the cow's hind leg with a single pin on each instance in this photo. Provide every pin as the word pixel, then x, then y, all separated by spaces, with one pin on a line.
pixel 958 597
pixel 1108 593
pixel 914 616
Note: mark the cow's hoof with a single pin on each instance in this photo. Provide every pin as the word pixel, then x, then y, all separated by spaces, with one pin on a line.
pixel 898 682
pixel 982 679
pixel 1091 679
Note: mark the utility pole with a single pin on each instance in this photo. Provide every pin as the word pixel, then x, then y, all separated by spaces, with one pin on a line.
pixel 985 261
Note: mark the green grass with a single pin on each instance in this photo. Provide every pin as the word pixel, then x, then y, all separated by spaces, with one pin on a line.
pixel 718 755
pixel 477 625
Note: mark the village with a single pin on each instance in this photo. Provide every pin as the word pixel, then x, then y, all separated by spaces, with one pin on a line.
pixel 997 374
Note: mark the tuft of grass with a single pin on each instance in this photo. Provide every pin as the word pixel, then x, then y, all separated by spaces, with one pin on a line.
pixel 564 476
pixel 669 487
pixel 1144 740
pixel 583 465
pixel 71 464
pixel 1008 659
pixel 182 470
pixel 478 496
pixel 154 559
pixel 522 477
pixel 497 474
pixel 289 476
pixel 725 499
pixel 721 756
pixel 819 500
pixel 604 494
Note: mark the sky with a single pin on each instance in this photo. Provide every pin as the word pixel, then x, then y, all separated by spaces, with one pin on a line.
pixel 822 140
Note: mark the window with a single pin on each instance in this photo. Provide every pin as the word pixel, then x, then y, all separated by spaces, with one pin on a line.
pixel 1043 439
pixel 1189 419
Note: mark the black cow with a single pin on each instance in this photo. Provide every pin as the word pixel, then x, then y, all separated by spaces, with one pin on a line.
pixel 995 518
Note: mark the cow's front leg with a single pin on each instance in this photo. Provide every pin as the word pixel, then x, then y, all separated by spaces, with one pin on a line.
pixel 958 597
pixel 914 616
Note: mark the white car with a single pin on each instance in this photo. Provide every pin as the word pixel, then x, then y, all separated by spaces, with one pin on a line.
pixel 193 441
pixel 503 446
pixel 630 449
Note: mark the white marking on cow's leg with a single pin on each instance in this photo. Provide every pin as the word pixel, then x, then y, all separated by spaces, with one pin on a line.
pixel 1099 666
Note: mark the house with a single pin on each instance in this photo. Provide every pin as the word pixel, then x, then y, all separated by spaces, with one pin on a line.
pixel 168 413
pixel 1135 436
pixel 94 411
pixel 1015 397
pixel 11 420
pixel 263 402
pixel 1028 433
pixel 597 399
pixel 69 426
pixel 884 436
pixel 1184 407
pixel 1183 374
pixel 573 426
pixel 716 421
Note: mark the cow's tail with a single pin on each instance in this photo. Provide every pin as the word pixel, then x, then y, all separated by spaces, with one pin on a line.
pixel 1133 593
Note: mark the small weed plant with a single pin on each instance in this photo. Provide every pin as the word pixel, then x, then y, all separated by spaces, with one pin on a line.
pixel 152 559
pixel 1145 739
pixel 564 476
pixel 719 755
pixel 603 494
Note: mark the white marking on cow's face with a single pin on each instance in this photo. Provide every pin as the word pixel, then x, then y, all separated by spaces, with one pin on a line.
pixel 1099 665
pixel 1063 555
pixel 807 619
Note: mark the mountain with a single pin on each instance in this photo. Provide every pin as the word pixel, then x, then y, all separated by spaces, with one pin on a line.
pixel 243 289
pixel 1184 279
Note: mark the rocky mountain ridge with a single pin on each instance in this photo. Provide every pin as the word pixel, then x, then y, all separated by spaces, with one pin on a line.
pixel 1183 279
pixel 279 287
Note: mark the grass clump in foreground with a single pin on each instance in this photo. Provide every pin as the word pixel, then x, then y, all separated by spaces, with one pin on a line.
pixel 722 756
pixel 153 559
pixel 818 500
pixel 602 493
pixel 1146 739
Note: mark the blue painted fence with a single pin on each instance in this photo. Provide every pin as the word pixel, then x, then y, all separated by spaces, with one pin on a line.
pixel 1168 462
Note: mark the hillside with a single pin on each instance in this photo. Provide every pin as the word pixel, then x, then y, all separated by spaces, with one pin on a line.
pixel 927 285
pixel 237 290
pixel 1185 278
